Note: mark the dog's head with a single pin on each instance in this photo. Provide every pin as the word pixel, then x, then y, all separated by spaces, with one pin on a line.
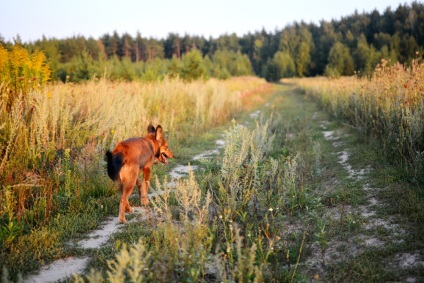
pixel 164 152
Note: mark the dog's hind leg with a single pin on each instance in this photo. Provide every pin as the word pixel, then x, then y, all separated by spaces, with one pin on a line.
pixel 124 205
pixel 128 179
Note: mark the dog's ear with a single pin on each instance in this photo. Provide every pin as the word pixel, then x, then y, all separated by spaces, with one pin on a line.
pixel 159 133
pixel 151 129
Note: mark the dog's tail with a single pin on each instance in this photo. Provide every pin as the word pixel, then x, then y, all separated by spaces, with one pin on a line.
pixel 114 164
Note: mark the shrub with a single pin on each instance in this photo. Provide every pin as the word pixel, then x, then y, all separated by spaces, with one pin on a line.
pixel 21 72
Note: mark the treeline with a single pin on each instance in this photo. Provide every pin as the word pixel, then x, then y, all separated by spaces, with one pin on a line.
pixel 340 47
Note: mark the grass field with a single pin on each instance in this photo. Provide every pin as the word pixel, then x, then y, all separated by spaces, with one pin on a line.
pixel 295 195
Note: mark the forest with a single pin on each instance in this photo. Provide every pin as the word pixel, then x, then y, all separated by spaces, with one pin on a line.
pixel 352 44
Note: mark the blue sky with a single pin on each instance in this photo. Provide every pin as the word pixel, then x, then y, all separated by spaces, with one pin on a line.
pixel 32 19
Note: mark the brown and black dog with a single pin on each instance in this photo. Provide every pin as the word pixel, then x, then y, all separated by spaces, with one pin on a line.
pixel 129 157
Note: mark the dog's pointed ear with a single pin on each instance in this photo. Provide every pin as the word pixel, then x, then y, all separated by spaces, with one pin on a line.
pixel 159 132
pixel 151 129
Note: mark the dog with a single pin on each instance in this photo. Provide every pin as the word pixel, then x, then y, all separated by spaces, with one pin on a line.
pixel 131 156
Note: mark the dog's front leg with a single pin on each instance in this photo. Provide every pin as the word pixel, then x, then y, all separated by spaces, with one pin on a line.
pixel 145 186
pixel 139 186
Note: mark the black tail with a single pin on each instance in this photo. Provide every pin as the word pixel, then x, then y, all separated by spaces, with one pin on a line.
pixel 114 164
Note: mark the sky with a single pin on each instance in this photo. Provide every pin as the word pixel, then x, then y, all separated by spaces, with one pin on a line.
pixel 32 19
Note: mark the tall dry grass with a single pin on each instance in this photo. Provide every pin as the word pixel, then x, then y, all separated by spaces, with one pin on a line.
pixel 388 107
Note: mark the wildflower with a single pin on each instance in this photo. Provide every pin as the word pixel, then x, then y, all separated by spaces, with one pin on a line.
pixel 220 216
pixel 270 209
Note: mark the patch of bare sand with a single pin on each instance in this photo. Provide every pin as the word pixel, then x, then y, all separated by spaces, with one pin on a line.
pixel 408 260
pixel 59 270
pixel 180 171
pixel 255 114
pixel 206 154
pixel 99 237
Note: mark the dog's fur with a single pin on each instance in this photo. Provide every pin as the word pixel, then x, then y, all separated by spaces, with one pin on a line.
pixel 129 157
